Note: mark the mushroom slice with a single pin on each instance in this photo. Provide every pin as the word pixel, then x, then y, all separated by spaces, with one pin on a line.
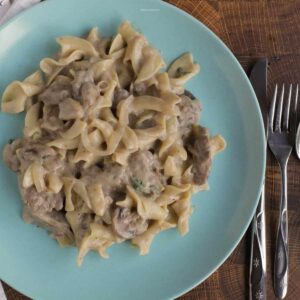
pixel 127 223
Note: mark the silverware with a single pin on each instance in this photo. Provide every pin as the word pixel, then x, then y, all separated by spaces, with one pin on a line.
pixel 281 137
pixel 257 278
pixel 297 143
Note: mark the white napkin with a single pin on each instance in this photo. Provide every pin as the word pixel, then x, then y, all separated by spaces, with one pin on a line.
pixel 2 294
pixel 9 8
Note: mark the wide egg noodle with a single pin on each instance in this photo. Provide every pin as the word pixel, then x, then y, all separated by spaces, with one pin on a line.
pixel 91 72
pixel 18 93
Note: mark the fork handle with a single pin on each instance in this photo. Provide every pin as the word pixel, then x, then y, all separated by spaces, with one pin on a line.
pixel 257 278
pixel 281 252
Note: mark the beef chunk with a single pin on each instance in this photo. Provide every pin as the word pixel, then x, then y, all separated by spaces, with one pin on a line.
pixel 198 145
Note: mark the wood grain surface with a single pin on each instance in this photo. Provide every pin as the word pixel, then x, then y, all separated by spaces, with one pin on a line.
pixel 253 29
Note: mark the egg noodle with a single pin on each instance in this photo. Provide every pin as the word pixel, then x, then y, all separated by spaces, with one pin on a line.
pixel 111 148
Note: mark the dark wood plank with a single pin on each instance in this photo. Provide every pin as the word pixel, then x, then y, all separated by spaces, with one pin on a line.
pixel 12 294
pixel 253 29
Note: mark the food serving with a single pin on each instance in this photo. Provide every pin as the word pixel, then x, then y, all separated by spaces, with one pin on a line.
pixel 112 150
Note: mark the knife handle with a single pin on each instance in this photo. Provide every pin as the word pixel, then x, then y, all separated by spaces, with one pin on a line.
pixel 257 278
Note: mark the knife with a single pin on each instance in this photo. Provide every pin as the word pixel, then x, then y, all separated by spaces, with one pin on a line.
pixel 257 278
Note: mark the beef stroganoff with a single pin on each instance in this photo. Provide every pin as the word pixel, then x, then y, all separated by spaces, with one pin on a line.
pixel 111 149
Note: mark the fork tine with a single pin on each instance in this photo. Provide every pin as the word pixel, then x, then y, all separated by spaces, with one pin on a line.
pixel 285 122
pixel 279 111
pixel 272 109
pixel 293 121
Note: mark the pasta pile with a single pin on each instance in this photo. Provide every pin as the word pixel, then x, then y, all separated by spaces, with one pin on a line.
pixel 111 148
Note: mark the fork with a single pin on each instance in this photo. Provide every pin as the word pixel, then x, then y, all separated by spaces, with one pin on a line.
pixel 281 126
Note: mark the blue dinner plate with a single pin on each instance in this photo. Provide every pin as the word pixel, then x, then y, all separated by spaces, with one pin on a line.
pixel 33 263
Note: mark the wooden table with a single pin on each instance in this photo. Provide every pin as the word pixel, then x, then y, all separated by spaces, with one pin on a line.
pixel 253 29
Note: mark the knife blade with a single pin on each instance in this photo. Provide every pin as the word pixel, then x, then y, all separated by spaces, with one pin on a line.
pixel 259 78
pixel 257 278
